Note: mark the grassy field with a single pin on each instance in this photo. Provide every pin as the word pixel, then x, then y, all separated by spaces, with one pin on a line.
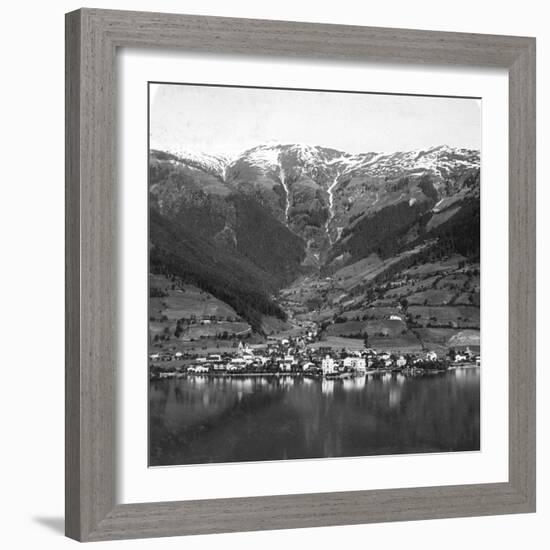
pixel 441 339
pixel 372 313
pixel 205 318
pixel 460 315
pixel 431 297
pixel 201 347
pixel 405 343
pixel 336 342
pixel 186 301
pixel 380 327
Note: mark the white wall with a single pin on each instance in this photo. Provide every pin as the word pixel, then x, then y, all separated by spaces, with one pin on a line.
pixel 32 133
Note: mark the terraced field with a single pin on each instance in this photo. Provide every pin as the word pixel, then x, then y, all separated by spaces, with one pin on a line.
pixel 413 308
pixel 181 313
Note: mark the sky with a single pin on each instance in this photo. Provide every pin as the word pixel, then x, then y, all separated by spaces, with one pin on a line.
pixel 226 120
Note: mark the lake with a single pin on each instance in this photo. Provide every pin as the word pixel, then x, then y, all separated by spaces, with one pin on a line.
pixel 234 419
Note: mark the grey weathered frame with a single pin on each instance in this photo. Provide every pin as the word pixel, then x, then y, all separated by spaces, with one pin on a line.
pixel 92 38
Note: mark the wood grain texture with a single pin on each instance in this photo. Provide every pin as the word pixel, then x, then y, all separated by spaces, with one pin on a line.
pixel 522 274
pixel 313 40
pixel 92 37
pixel 72 277
pixel 90 281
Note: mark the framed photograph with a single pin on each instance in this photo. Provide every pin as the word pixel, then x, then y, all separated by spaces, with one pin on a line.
pixel 300 275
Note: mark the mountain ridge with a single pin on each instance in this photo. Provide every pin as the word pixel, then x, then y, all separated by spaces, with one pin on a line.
pixel 317 191
pixel 268 155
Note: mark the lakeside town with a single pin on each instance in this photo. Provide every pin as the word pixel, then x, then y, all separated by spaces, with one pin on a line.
pixel 193 333
pixel 305 356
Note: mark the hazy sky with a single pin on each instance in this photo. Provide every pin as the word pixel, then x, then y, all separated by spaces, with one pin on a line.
pixel 230 120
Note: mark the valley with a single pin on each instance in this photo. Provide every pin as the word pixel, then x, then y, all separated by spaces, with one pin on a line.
pixel 286 241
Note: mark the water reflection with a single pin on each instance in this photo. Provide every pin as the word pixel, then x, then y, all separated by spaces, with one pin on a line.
pixel 327 386
pixel 356 383
pixel 224 419
pixel 394 396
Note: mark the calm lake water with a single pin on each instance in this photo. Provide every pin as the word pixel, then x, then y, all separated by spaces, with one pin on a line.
pixel 227 419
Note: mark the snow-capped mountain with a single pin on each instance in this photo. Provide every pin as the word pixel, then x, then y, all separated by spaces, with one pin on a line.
pixel 323 195
pixel 322 162
pixel 212 164
pixel 442 160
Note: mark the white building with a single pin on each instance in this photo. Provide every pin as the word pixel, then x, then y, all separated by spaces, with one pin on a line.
pixel 328 365
pixel 199 369
pixel 243 349
pixel 431 356
pixel 355 363
pixel 236 363
pixel 285 367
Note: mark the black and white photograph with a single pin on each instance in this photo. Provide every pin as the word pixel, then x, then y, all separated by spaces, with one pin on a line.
pixel 314 274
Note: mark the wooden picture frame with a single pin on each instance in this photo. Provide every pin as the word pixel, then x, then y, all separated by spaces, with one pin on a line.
pixel 92 39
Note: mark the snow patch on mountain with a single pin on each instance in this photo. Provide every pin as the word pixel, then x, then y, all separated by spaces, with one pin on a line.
pixel 212 164
pixel 330 207
pixel 263 156
pixel 282 177
pixel 314 160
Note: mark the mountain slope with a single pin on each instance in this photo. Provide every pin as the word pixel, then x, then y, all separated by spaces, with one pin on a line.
pixel 205 205
pixel 174 250
pixel 252 225
pixel 321 194
pixel 205 232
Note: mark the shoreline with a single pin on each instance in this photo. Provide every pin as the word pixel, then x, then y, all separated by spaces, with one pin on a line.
pixel 341 376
